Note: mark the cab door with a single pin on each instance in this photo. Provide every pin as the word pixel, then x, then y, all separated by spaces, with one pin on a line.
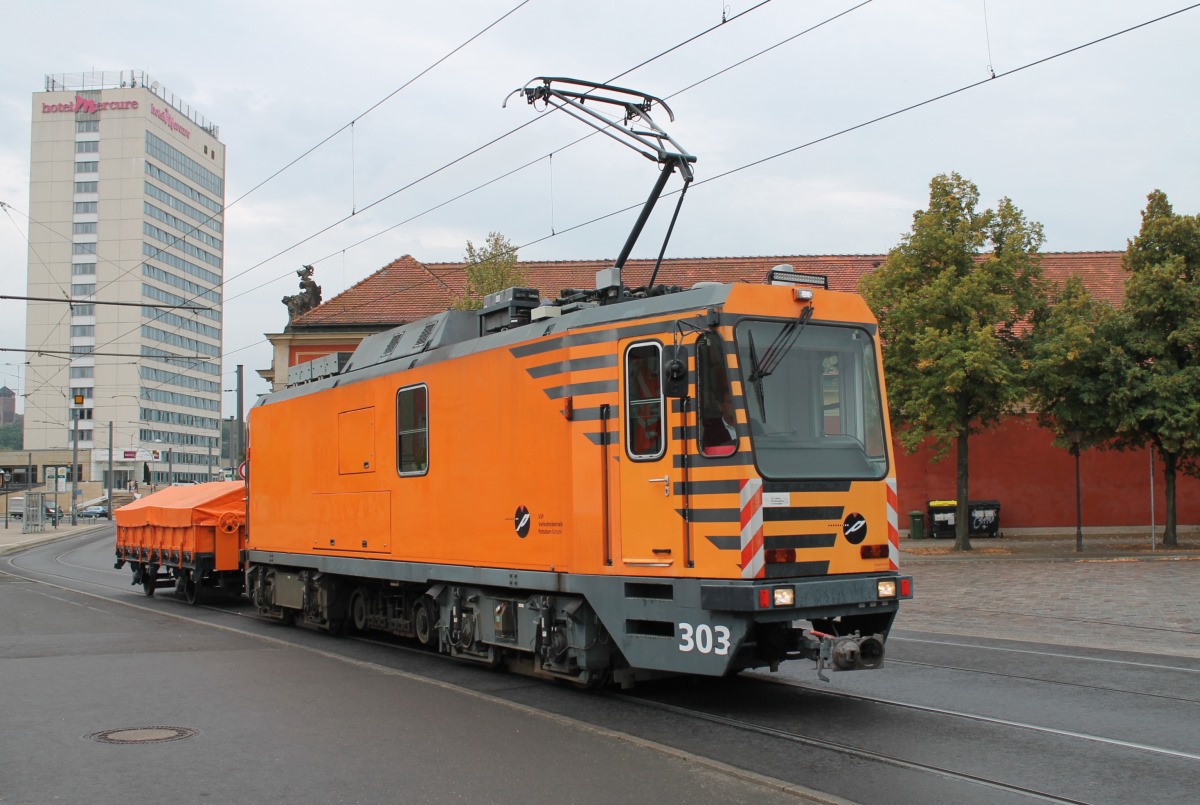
pixel 651 528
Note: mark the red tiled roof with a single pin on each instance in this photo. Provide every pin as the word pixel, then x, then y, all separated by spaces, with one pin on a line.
pixel 407 289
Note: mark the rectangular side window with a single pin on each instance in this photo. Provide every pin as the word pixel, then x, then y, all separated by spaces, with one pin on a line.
pixel 412 430
pixel 644 434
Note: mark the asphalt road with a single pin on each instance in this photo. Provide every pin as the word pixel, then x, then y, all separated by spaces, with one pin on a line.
pixel 1002 685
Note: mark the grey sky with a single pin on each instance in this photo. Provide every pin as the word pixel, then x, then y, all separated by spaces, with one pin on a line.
pixel 1077 143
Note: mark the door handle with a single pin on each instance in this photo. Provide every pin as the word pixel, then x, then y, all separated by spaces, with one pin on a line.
pixel 665 481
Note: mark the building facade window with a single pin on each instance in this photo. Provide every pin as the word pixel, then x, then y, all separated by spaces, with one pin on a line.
pixel 181 163
pixel 87 167
pixel 84 227
pixel 83 248
pixel 182 206
pixel 174 261
pixel 83 310
pixel 87 187
pixel 83 268
pixel 83 331
pixel 84 207
pixel 87 126
pixel 87 147
pixel 187 286
pixel 83 288
pixel 157 173
pixel 82 371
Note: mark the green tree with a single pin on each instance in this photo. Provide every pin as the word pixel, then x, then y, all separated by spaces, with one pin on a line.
pixel 954 319
pixel 490 268
pixel 12 437
pixel 1155 374
pixel 1072 361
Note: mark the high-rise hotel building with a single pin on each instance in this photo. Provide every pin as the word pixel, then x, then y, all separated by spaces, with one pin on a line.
pixel 126 245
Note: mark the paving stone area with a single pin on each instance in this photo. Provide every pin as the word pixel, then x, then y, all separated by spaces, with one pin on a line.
pixel 1117 594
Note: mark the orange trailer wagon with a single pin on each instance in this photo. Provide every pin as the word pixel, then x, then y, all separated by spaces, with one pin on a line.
pixel 185 537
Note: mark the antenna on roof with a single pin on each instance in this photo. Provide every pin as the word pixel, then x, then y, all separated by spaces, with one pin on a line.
pixel 650 140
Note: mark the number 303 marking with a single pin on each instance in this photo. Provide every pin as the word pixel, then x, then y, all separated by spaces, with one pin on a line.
pixel 701 638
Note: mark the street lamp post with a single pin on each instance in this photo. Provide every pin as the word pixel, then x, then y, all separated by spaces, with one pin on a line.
pixel 1076 440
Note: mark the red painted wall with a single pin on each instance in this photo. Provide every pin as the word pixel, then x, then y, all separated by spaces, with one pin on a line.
pixel 1035 482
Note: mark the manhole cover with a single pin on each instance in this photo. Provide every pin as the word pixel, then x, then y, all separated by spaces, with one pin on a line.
pixel 142 735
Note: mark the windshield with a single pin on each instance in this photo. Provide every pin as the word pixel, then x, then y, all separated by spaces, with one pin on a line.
pixel 812 400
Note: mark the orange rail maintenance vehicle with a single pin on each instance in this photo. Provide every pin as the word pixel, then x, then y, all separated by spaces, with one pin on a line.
pixel 608 485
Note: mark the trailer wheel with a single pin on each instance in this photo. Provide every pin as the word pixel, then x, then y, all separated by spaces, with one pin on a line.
pixel 424 617
pixel 149 577
pixel 358 611
pixel 191 588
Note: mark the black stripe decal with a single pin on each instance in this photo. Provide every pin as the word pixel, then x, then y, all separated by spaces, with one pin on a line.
pixel 606 336
pixel 593 414
pixel 736 460
pixel 595 438
pixel 785 513
pixel 573 365
pixel 771 515
pixel 572 389
pixel 805 486
pixel 783 570
pixel 800 541
pixel 797 541
pixel 713 515
pixel 707 487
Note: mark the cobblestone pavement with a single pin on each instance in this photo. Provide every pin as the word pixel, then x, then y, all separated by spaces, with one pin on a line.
pixel 1117 594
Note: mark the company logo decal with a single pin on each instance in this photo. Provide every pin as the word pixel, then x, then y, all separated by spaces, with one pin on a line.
pixel 88 106
pixel 521 522
pixel 854 528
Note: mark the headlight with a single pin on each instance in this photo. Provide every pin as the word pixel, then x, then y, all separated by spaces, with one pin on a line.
pixel 886 588
pixel 785 596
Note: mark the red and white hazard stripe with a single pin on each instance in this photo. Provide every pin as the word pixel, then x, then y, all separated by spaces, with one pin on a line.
pixel 753 560
pixel 893 521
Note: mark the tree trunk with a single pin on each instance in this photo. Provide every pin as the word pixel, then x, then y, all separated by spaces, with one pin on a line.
pixel 962 522
pixel 1170 465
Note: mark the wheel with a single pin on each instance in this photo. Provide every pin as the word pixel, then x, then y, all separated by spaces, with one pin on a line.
pixel 424 618
pixel 149 577
pixel 191 588
pixel 357 619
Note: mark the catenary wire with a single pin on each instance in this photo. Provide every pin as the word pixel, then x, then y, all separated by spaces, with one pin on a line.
pixel 225 208
pixel 880 118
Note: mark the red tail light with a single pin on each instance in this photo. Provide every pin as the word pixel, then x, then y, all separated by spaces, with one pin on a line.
pixel 905 587
pixel 873 551
pixel 780 555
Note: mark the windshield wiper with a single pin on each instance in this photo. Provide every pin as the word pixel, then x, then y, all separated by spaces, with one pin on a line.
pixel 774 356
pixel 783 342
pixel 756 379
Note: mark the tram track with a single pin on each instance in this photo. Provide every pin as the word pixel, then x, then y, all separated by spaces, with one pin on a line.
pixel 1045 681
pixel 859 753
pixel 65 571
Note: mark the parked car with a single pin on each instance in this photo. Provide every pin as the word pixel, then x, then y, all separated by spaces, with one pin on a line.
pixel 93 513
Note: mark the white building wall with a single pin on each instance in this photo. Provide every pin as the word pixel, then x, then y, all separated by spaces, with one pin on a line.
pixel 179 410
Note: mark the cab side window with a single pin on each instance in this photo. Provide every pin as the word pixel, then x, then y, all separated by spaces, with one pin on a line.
pixel 412 430
pixel 715 411
pixel 644 431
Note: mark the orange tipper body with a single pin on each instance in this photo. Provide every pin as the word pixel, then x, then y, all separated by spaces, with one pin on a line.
pixel 693 482
pixel 185 537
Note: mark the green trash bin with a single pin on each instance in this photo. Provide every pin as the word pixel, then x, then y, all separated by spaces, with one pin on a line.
pixel 916 525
